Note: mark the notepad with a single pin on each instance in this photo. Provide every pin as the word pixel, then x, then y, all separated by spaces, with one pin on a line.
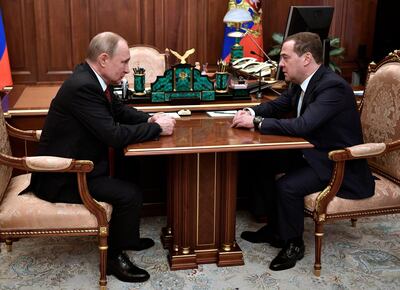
pixel 229 113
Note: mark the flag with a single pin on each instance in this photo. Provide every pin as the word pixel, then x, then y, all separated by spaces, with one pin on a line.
pixel 5 71
pixel 253 39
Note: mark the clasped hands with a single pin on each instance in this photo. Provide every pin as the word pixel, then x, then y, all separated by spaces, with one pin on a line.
pixel 243 119
pixel 166 122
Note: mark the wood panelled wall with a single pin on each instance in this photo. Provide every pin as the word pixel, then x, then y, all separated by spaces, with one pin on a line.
pixel 47 38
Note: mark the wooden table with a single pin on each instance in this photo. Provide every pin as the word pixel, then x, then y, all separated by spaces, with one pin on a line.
pixel 202 186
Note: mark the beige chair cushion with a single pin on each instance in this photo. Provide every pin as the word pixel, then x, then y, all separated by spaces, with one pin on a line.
pixel 27 211
pixel 380 116
pixel 5 171
pixel 387 194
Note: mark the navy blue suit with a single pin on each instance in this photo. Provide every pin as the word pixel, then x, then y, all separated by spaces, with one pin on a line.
pixel 82 124
pixel 329 120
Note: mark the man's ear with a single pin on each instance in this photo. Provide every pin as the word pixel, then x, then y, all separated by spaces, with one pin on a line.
pixel 307 58
pixel 103 58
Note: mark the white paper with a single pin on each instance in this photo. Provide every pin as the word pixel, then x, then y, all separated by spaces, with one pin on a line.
pixel 171 114
pixel 229 113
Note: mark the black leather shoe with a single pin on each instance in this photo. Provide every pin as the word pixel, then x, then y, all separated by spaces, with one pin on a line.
pixel 263 235
pixel 288 256
pixel 144 243
pixel 121 267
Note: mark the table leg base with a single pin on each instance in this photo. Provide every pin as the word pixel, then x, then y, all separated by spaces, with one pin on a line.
pixel 233 257
pixel 220 257
pixel 182 262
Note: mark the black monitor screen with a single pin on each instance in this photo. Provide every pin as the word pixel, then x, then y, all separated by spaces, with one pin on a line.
pixel 315 19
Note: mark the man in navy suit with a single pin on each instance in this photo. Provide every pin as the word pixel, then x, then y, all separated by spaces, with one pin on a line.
pixel 83 121
pixel 325 114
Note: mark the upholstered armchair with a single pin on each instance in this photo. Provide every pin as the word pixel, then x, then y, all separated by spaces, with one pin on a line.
pixel 150 59
pixel 25 215
pixel 380 117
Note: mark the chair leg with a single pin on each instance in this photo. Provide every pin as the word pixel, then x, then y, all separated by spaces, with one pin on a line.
pixel 319 233
pixel 353 222
pixel 103 262
pixel 9 245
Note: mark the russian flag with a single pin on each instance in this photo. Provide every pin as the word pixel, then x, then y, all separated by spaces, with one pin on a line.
pixel 5 71
pixel 254 29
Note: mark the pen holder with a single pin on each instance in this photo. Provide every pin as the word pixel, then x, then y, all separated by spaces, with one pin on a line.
pixel 221 82
pixel 138 84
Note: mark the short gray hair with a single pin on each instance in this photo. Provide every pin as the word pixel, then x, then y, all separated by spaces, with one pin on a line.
pixel 105 42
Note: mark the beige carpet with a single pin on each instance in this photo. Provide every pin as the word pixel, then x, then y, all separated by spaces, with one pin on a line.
pixel 365 257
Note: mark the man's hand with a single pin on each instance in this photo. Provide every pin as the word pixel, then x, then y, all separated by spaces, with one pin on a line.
pixel 153 118
pixel 166 123
pixel 243 119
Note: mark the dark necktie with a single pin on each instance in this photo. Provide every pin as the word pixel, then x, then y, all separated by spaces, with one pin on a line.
pixel 107 92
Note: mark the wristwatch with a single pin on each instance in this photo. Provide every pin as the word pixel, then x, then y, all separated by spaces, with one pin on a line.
pixel 257 122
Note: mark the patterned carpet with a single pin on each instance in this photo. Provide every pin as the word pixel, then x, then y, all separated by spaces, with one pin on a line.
pixel 365 257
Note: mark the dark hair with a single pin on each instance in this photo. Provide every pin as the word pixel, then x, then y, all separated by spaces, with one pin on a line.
pixel 307 42
pixel 103 42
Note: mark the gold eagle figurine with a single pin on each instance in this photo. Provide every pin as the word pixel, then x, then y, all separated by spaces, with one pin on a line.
pixel 183 57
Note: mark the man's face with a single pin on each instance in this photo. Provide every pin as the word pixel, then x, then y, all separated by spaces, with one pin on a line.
pixel 117 66
pixel 291 64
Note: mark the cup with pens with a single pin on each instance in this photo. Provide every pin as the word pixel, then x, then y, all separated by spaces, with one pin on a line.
pixel 139 80
pixel 221 77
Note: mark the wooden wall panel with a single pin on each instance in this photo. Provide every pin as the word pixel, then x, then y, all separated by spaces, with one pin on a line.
pixel 80 29
pixel 47 38
pixel 19 22
pixel 53 39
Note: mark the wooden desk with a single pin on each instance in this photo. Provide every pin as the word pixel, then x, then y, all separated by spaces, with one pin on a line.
pixel 202 174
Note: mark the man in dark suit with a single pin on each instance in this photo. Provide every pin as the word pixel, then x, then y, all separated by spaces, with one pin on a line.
pixel 325 115
pixel 83 121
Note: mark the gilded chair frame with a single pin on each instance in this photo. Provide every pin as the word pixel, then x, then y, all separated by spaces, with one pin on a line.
pixel 320 202
pixel 81 168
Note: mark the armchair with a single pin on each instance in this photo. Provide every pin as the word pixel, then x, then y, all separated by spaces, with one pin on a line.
pixel 150 59
pixel 380 118
pixel 25 216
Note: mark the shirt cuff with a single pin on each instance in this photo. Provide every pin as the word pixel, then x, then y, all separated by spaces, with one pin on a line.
pixel 250 110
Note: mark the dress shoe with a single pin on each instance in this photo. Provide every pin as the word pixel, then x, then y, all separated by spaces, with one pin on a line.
pixel 288 256
pixel 144 243
pixel 263 235
pixel 121 267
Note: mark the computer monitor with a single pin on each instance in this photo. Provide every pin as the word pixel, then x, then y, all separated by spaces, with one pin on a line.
pixel 315 19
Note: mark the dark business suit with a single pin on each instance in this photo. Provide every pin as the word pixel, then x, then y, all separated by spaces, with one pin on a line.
pixel 82 124
pixel 329 120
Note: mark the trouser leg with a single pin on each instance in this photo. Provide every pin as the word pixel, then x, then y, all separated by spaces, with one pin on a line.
pixel 290 192
pixel 126 200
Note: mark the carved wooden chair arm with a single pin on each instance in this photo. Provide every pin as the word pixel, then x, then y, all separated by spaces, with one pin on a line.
pixel 366 150
pixel 28 135
pixel 59 164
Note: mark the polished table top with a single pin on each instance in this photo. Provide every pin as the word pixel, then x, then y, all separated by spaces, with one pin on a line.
pixel 200 133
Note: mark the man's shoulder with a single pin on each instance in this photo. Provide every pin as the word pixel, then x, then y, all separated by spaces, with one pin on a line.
pixel 329 78
pixel 81 77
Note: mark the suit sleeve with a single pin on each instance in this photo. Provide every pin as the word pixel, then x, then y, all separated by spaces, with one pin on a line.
pixel 93 111
pixel 275 108
pixel 128 115
pixel 329 101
